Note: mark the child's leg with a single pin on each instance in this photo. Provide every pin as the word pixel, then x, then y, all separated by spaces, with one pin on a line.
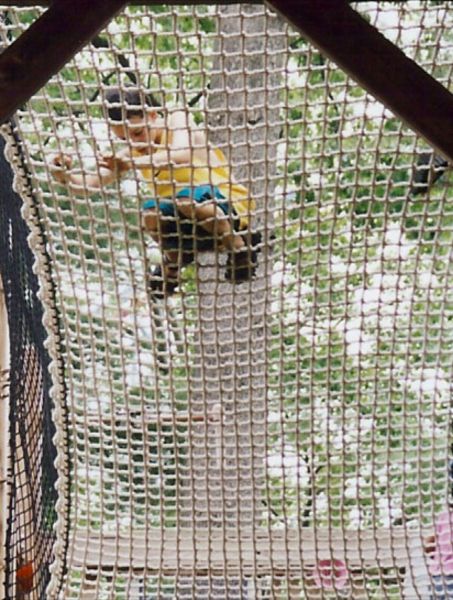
pixel 242 251
pixel 207 215
pixel 151 224
pixel 164 231
pixel 164 280
pixel 213 220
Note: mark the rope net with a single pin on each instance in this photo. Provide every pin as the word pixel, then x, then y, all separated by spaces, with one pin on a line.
pixel 288 436
pixel 27 464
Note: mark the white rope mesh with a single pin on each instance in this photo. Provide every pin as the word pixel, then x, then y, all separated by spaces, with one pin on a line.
pixel 241 441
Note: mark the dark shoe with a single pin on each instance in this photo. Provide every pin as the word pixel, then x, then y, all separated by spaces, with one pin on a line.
pixel 242 264
pixel 430 167
pixel 163 285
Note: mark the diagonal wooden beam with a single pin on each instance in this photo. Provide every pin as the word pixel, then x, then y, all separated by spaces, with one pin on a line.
pixel 378 65
pixel 47 45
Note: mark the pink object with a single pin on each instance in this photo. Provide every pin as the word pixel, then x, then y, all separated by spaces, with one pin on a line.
pixel 331 574
pixel 441 560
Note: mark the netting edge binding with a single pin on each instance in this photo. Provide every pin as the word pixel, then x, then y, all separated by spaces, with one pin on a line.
pixel 46 294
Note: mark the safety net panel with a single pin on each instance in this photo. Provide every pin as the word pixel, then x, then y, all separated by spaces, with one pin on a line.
pixel 252 262
pixel 28 452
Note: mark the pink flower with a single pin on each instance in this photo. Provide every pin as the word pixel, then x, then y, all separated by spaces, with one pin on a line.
pixel 441 560
pixel 331 574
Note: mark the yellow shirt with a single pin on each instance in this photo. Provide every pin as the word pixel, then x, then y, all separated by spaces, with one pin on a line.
pixel 166 182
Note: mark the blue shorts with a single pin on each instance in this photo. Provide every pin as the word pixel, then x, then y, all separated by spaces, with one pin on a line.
pixel 200 193
pixel 181 233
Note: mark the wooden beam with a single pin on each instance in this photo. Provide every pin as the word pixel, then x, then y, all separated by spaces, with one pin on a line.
pixel 47 45
pixel 378 65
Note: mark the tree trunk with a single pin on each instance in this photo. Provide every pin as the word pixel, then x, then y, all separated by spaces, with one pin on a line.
pixel 229 382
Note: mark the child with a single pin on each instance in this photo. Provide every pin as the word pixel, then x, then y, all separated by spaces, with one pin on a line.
pixel 195 205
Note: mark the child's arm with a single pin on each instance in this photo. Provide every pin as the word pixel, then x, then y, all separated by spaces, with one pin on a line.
pixel 77 181
pixel 184 144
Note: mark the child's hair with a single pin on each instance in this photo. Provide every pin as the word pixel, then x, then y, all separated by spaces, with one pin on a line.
pixel 123 104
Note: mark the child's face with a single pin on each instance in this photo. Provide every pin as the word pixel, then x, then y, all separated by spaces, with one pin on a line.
pixel 138 129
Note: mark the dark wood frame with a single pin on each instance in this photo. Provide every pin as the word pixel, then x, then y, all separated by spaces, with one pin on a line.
pixel 47 45
pixel 332 26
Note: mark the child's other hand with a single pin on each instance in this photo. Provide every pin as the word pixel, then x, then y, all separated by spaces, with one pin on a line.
pixel 115 164
pixel 60 163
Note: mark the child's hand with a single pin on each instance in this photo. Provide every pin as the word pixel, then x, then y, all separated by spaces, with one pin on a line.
pixel 115 164
pixel 60 164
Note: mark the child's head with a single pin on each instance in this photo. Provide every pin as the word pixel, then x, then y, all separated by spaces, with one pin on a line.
pixel 124 104
pixel 129 115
